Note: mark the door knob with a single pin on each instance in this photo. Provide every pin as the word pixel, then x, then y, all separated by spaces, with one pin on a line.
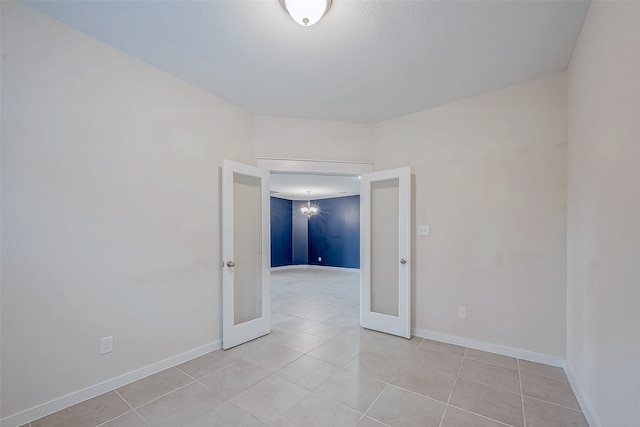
pixel 231 264
pixel 403 261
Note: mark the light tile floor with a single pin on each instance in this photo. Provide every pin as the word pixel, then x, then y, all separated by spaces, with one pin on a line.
pixel 319 368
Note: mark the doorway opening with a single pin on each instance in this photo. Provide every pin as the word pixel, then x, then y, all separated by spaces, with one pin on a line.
pixel 315 276
pixel 315 259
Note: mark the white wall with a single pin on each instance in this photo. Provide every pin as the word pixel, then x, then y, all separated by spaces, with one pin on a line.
pixel 603 323
pixel 312 139
pixel 490 182
pixel 109 210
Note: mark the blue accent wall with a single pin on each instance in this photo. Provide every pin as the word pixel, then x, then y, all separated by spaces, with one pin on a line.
pixel 334 234
pixel 300 235
pixel 281 249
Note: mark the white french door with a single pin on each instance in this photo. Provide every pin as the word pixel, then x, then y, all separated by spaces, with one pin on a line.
pixel 385 251
pixel 246 255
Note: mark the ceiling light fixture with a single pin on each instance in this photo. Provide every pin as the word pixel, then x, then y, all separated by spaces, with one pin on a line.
pixel 306 12
pixel 309 210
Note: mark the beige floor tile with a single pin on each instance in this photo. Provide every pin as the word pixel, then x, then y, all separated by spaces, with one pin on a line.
pixel 446 362
pixel 376 365
pixel 270 398
pixel 543 414
pixel 233 380
pixel 278 318
pixel 541 369
pixel 492 375
pixel 455 417
pixel 289 310
pixel 325 330
pixel 492 358
pixel 491 402
pixel 206 364
pixel 307 372
pixel 399 344
pixel 276 336
pixel 351 389
pixel 299 324
pixel 303 341
pixel 369 422
pixel 156 385
pixel 226 415
pixel 441 346
pixel 342 321
pixel 360 338
pixel 316 411
pixel 549 389
pixel 399 408
pixel 428 382
pixel 333 352
pixel 270 358
pixel 178 407
pixel 130 419
pixel 88 413
pixel 318 315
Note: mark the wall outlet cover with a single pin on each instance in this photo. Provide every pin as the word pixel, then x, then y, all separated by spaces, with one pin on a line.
pixel 106 345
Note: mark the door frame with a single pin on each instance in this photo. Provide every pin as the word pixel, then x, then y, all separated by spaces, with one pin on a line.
pixel 329 167
pixel 320 167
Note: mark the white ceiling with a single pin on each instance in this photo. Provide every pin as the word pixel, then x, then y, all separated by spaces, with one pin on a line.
pixel 294 186
pixel 365 61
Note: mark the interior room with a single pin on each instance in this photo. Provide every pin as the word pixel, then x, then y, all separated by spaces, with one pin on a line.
pixel 518 122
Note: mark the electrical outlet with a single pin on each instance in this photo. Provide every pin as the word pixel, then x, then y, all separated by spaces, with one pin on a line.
pixel 462 312
pixel 106 345
pixel 319 258
pixel 423 230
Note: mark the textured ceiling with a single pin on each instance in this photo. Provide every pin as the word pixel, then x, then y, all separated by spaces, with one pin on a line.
pixel 365 61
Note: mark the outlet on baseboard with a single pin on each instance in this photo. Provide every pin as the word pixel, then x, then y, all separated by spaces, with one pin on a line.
pixel 462 312
pixel 106 345
pixel 319 258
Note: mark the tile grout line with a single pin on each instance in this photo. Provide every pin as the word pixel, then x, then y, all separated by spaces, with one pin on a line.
pixel 543 400
pixel 524 419
pixel 122 415
pixel 211 373
pixel 554 404
pixel 454 386
pixel 482 416
pixel 160 397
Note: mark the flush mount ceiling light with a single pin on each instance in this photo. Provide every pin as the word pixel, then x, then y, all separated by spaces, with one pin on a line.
pixel 306 12
pixel 309 210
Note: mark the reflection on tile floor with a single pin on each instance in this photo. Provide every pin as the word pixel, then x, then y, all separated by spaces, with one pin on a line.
pixel 319 368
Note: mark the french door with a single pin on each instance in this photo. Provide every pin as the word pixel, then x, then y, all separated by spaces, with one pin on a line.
pixel 385 251
pixel 246 258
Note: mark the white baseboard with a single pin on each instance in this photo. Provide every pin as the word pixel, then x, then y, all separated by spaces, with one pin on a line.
pixel 71 399
pixel 311 266
pixel 493 348
pixel 585 404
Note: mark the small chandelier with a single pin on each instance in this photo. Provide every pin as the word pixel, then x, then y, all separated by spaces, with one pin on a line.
pixel 309 210
pixel 306 12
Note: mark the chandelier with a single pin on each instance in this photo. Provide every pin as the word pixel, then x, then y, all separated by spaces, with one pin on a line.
pixel 309 210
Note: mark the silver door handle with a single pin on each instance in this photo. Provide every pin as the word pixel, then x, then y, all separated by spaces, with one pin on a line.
pixel 231 264
pixel 403 261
